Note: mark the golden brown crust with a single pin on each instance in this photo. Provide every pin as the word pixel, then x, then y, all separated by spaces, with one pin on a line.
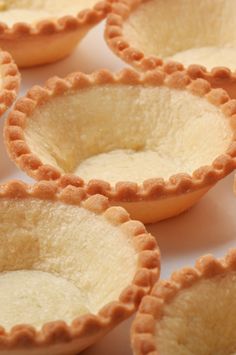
pixel 148 269
pixel 219 77
pixel 85 17
pixel 121 46
pixel 50 40
pixel 151 189
pixel 10 77
pixel 151 308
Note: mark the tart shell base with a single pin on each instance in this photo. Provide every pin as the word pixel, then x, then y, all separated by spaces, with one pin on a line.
pixel 37 50
pixel 73 348
pixel 158 210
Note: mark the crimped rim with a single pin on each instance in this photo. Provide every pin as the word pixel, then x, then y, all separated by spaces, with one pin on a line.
pixel 152 306
pixel 10 81
pixel 121 46
pixel 150 189
pixel 24 336
pixel 88 16
pixel 217 77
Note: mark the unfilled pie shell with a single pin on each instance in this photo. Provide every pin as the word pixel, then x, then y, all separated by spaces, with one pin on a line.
pixel 60 337
pixel 147 37
pixel 154 199
pixel 9 81
pixel 195 307
pixel 50 40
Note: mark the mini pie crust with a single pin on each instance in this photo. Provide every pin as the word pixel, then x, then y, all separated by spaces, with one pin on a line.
pixel 59 337
pixel 49 40
pixel 172 35
pixel 218 77
pixel 9 81
pixel 188 307
pixel 150 200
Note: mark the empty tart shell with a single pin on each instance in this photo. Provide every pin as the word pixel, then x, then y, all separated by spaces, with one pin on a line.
pixel 193 313
pixel 148 33
pixel 41 32
pixel 9 81
pixel 72 268
pixel 153 143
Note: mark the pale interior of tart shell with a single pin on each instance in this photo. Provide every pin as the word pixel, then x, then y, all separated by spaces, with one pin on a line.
pixel 13 11
pixel 191 32
pixel 128 133
pixel 58 262
pixel 200 320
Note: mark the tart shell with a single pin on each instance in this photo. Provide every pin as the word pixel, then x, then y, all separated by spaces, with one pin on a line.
pixel 10 81
pixel 154 199
pixel 49 40
pixel 151 310
pixel 61 338
pixel 122 47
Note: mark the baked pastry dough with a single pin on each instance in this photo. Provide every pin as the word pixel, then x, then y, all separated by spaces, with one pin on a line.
pixel 154 143
pixel 217 77
pixel 147 32
pixel 194 313
pixel 9 81
pixel 71 268
pixel 43 31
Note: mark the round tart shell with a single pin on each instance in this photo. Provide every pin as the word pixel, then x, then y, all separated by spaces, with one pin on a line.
pixel 58 337
pixel 10 81
pixel 50 40
pixel 152 307
pixel 123 47
pixel 155 199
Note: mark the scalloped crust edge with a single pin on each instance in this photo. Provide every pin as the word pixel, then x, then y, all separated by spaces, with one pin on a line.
pixel 10 81
pixel 151 307
pixel 114 36
pixel 66 23
pixel 152 189
pixel 87 326
pixel 26 42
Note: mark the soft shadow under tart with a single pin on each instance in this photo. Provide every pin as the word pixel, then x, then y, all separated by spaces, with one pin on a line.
pixel 72 268
pixel 42 32
pixel 9 81
pixel 193 313
pixel 146 33
pixel 153 143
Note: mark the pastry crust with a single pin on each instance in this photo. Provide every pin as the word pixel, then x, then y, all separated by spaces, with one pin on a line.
pixel 10 77
pixel 151 310
pixel 50 40
pixel 87 329
pixel 180 185
pixel 220 77
pixel 120 43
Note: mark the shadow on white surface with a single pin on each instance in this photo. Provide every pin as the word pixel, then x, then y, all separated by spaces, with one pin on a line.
pixel 91 55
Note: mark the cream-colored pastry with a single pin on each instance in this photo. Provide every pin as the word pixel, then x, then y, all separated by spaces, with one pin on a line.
pixel 190 32
pixel 63 258
pixel 194 313
pixel 127 128
pixel 9 81
pixel 43 31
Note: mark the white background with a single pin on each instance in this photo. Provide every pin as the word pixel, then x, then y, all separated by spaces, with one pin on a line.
pixel 209 227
